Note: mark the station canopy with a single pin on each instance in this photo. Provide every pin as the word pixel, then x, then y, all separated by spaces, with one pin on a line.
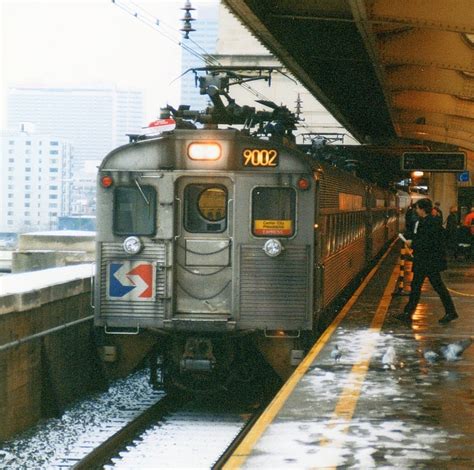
pixel 391 71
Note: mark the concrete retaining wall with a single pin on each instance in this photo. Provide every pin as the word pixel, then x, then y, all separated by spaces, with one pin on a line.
pixel 40 377
pixel 42 250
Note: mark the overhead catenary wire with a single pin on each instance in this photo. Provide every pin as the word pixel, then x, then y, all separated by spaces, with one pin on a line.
pixel 158 22
pixel 173 35
pixel 149 20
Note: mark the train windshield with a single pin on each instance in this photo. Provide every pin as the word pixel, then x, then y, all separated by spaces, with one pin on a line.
pixel 205 208
pixel 273 212
pixel 134 210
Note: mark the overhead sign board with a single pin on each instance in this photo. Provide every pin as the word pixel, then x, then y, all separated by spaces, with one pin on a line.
pixel 434 161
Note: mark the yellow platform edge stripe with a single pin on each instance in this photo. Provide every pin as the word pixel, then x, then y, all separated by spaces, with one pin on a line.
pixel 237 459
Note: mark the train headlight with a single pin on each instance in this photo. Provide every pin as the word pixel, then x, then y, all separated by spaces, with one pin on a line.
pixel 132 245
pixel 272 247
pixel 204 151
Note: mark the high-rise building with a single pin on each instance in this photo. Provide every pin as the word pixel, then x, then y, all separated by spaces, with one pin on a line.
pixel 205 37
pixel 35 180
pixel 93 120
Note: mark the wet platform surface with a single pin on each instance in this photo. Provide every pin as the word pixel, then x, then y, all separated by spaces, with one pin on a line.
pixel 361 413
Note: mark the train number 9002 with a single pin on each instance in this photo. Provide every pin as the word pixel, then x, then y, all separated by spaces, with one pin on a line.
pixel 260 157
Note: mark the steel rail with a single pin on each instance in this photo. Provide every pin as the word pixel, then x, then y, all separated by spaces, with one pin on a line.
pixel 100 455
pixel 221 461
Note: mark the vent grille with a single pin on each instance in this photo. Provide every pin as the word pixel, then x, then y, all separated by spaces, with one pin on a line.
pixel 154 253
pixel 274 288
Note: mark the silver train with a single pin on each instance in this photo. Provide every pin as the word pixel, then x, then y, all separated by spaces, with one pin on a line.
pixel 212 245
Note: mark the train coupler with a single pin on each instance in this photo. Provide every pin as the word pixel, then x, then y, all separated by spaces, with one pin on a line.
pixel 198 356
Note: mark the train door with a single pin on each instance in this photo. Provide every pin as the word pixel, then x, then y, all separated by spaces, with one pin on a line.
pixel 203 262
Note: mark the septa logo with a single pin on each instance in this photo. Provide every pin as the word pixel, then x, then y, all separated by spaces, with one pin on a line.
pixel 131 280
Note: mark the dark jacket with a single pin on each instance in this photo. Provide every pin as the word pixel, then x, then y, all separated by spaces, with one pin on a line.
pixel 410 220
pixel 429 250
pixel 452 224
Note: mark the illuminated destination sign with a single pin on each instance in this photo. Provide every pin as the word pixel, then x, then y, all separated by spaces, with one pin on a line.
pixel 260 157
pixel 434 161
pixel 273 227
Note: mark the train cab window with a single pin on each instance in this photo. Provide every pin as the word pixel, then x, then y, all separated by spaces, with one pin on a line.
pixel 134 210
pixel 205 208
pixel 273 212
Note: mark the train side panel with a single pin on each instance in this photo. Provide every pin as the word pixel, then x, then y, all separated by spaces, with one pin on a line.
pixel 343 228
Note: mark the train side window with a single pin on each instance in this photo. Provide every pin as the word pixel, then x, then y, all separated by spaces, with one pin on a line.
pixel 348 229
pixel 333 233
pixel 327 233
pixel 337 231
pixel 347 224
pixel 134 210
pixel 205 208
pixel 273 212
pixel 342 231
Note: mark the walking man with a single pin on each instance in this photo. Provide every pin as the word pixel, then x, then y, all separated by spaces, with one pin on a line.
pixel 429 259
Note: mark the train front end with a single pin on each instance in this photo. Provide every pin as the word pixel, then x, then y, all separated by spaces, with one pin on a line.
pixel 205 247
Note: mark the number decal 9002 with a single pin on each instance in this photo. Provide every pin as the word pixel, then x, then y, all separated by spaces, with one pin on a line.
pixel 260 157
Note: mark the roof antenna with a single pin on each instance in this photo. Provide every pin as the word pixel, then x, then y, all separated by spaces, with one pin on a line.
pixel 187 27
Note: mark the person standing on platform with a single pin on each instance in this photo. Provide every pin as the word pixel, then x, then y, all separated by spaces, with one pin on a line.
pixel 452 227
pixel 469 221
pixel 429 259
pixel 437 212
pixel 410 221
pixel 469 224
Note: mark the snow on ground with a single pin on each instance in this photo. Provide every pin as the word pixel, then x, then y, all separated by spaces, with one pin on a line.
pixel 25 282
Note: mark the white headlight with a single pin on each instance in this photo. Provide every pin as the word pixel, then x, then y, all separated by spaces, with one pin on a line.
pixel 132 245
pixel 272 247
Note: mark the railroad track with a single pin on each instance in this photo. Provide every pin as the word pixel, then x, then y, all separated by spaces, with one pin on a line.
pixel 238 439
pixel 95 453
pixel 174 432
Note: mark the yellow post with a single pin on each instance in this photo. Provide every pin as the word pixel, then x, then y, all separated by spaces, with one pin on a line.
pixel 401 275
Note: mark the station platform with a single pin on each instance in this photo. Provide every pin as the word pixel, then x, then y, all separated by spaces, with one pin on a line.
pixel 359 412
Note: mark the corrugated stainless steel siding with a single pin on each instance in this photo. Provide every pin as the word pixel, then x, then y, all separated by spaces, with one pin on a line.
pixel 274 288
pixel 340 269
pixel 152 253
pixel 335 181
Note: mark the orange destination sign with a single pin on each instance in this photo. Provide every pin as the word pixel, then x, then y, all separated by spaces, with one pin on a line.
pixel 273 227
pixel 260 157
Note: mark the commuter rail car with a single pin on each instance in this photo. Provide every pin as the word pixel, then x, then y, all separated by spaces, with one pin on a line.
pixel 217 243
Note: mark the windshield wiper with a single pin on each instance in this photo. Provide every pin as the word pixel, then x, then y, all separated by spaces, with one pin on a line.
pixel 141 192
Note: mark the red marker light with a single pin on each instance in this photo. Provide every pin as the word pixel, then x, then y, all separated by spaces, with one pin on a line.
pixel 303 183
pixel 106 181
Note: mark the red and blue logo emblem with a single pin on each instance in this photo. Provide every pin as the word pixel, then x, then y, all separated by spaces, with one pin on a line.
pixel 131 280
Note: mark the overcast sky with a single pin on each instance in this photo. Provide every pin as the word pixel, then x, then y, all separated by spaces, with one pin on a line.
pixel 90 42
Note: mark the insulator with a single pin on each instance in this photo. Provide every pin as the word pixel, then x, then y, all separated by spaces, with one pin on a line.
pixel 187 6
pixel 188 17
pixel 187 28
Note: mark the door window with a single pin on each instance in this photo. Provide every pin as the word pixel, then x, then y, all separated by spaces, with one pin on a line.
pixel 205 208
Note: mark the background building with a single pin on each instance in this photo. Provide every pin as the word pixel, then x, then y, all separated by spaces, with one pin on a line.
pixel 93 120
pixel 35 180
